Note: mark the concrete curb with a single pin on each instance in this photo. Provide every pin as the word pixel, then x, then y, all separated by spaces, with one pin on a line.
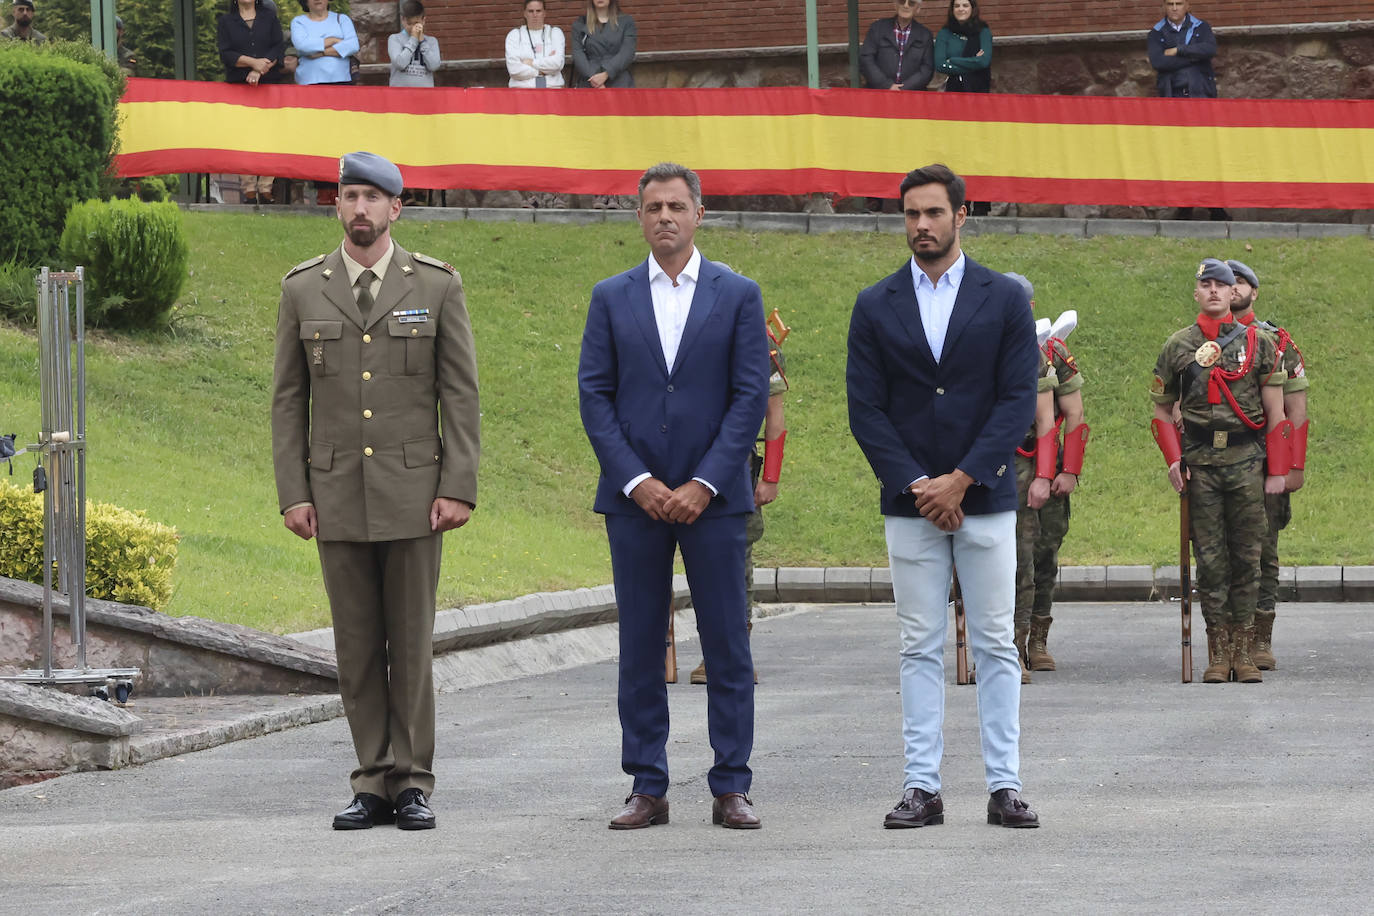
pixel 817 223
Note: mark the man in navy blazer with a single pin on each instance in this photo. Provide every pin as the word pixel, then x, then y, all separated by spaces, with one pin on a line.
pixel 673 384
pixel 941 381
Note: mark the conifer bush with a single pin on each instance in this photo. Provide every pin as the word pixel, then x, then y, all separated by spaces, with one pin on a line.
pixel 135 254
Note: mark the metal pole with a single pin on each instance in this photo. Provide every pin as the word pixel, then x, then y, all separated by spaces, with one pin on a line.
pixel 103 34
pixel 853 44
pixel 813 62
pixel 45 436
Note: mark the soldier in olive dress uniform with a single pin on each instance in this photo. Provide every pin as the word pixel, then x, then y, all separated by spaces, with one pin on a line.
pixel 375 445
pixel 1277 508
pixel 1226 380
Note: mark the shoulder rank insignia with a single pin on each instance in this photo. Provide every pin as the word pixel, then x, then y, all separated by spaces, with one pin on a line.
pixel 433 262
pixel 305 264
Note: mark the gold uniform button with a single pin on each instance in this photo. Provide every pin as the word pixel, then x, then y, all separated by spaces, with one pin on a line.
pixel 436 457
pixel 317 335
pixel 368 451
pixel 414 332
pixel 367 415
pixel 367 338
pixel 366 375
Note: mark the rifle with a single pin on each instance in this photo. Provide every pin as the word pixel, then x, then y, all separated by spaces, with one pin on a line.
pixel 670 656
pixel 960 633
pixel 1185 578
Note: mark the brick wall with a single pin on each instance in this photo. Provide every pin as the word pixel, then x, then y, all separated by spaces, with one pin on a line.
pixel 477 28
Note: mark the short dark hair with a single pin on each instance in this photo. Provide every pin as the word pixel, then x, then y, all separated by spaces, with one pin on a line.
pixel 937 173
pixel 412 9
pixel 667 171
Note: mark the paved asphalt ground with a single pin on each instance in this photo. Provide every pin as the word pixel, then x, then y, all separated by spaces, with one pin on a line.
pixel 1155 797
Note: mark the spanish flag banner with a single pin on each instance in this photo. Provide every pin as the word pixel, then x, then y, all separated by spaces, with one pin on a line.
pixel 1027 148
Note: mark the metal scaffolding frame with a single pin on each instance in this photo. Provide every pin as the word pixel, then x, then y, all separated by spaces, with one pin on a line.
pixel 61 477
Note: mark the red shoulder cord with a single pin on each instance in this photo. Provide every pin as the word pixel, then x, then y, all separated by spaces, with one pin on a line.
pixel 1218 378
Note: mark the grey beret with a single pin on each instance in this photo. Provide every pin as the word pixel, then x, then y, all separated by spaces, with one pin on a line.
pixel 1243 271
pixel 1025 284
pixel 28 3
pixel 1214 269
pixel 369 168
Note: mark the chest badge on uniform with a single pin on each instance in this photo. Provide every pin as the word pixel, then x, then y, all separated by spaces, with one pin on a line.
pixel 1208 354
pixel 317 354
pixel 411 316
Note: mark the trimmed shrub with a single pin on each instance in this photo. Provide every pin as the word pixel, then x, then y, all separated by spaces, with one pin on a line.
pixel 135 255
pixel 59 128
pixel 129 557
pixel 18 294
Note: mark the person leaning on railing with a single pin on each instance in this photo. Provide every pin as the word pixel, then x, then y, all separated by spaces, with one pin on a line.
pixel 252 47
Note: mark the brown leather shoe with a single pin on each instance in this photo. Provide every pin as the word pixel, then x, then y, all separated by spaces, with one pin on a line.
pixel 918 808
pixel 1005 807
pixel 641 811
pixel 735 810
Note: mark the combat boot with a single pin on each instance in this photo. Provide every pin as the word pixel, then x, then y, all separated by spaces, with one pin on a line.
pixel 1262 652
pixel 1242 638
pixel 1020 637
pixel 1038 655
pixel 1218 656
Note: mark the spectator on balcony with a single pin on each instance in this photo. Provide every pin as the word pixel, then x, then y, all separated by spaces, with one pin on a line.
pixel 414 55
pixel 897 52
pixel 127 61
pixel 603 47
pixel 535 55
pixel 325 41
pixel 252 47
pixel 963 49
pixel 1181 48
pixel 535 52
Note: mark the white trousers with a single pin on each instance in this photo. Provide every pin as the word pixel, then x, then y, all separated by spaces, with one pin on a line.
pixel 921 558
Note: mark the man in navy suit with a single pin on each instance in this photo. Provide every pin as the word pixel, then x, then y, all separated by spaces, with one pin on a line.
pixel 673 384
pixel 941 380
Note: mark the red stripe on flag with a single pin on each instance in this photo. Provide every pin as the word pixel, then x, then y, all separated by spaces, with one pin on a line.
pixel 783 101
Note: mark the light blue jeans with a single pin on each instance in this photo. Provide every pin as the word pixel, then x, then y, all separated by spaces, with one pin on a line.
pixel 921 558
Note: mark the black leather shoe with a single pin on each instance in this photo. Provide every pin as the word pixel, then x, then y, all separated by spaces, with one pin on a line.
pixel 413 812
pixel 363 812
pixel 918 808
pixel 1005 807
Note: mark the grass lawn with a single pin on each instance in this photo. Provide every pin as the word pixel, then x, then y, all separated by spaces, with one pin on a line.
pixel 178 420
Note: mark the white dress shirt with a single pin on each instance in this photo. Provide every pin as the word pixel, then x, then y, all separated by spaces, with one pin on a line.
pixel 672 302
pixel 936 301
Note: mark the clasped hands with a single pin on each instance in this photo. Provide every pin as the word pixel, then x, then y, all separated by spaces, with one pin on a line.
pixel 939 499
pixel 683 505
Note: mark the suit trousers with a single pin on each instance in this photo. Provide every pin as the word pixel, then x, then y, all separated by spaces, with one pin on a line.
pixel 921 558
pixel 642 562
pixel 381 597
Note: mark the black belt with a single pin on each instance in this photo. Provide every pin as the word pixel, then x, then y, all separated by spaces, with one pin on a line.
pixel 1198 434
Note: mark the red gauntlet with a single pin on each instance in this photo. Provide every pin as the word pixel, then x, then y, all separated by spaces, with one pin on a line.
pixel 1166 437
pixel 1299 445
pixel 1075 444
pixel 1278 444
pixel 1047 454
pixel 772 458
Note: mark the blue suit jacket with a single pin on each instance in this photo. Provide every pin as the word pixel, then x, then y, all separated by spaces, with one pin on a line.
pixel 701 419
pixel 914 417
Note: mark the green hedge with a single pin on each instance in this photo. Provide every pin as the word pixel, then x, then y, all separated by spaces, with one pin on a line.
pixel 129 557
pixel 135 255
pixel 58 135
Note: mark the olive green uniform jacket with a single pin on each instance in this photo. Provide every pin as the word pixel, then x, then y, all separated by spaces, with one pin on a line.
pixel 374 417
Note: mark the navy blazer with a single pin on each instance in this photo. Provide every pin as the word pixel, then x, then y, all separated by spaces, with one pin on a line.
pixel 1190 70
pixel 914 417
pixel 701 419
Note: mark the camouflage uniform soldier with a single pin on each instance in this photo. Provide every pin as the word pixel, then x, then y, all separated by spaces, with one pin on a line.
pixel 1277 508
pixel 766 470
pixel 1227 383
pixel 1042 514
